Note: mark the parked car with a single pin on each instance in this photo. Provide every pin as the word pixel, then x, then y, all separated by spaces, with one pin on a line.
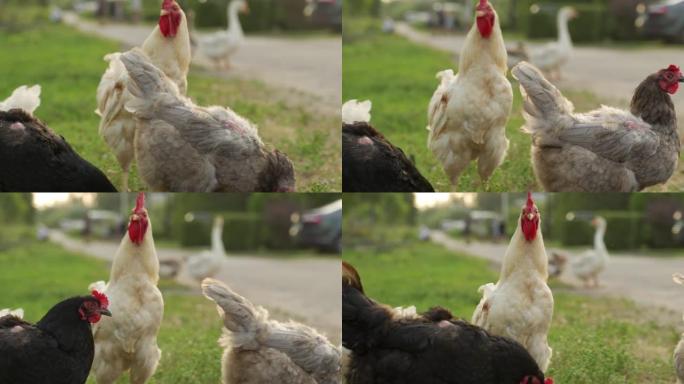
pixel 325 13
pixel 662 20
pixel 319 228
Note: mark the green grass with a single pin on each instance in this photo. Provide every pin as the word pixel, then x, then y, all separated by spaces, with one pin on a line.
pixel 399 78
pixel 594 340
pixel 36 276
pixel 68 65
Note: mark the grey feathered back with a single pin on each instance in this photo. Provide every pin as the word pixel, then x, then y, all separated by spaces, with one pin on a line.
pixel 213 130
pixel 250 328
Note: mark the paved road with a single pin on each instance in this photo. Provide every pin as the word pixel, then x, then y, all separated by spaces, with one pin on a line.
pixel 307 290
pixel 312 65
pixel 646 280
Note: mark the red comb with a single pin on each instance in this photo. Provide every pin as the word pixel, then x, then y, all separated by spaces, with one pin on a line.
pixel 530 202
pixel 140 202
pixel 483 4
pixel 101 297
pixel 673 68
pixel 167 3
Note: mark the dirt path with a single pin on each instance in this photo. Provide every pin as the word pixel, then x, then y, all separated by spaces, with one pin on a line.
pixel 646 280
pixel 283 286
pixel 610 74
pixel 310 65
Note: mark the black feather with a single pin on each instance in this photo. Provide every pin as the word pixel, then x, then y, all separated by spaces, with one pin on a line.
pixel 376 167
pixel 35 159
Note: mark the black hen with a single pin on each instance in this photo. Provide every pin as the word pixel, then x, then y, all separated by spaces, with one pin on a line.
pixel 59 349
pixel 433 348
pixel 370 163
pixel 35 159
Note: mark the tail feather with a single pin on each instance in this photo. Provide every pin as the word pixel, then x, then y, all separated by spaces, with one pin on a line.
pixel 148 85
pixel 354 111
pixel 250 328
pixel 437 114
pixel 25 98
pixel 544 105
pixel 19 312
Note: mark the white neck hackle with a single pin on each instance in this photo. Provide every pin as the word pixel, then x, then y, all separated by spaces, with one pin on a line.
pixel 523 255
pixel 479 51
pixel 133 259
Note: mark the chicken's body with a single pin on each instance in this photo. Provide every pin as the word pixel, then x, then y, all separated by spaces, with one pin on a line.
pixel 184 147
pixel 370 163
pixel 35 158
pixel 389 347
pixel 56 350
pixel 259 350
pixel 129 340
pixel 520 304
pixel 468 112
pixel 117 126
pixel 606 150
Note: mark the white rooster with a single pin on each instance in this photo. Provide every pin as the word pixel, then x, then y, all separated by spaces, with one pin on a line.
pixel 168 47
pixel 128 342
pixel 468 112
pixel 220 46
pixel 520 304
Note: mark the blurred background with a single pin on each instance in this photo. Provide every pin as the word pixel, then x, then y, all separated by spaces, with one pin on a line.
pixel 275 62
pixel 595 51
pixel 279 251
pixel 439 248
pixel 600 20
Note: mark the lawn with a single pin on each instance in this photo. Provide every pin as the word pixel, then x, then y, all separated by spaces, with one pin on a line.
pixel 399 78
pixel 68 65
pixel 593 340
pixel 36 276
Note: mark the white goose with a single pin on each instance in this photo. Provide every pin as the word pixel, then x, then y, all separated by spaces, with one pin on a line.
pixel 551 57
pixel 220 46
pixel 206 264
pixel 591 263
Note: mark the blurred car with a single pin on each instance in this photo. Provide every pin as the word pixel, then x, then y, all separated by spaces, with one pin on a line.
pixel 663 20
pixel 325 13
pixel 319 228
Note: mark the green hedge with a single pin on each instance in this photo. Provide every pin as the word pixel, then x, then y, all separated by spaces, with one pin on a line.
pixel 240 232
pixel 590 25
pixel 263 15
pixel 624 231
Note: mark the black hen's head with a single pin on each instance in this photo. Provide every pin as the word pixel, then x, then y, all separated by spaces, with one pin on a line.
pixel 80 309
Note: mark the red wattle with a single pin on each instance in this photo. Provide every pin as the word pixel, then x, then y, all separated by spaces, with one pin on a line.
pixel 136 230
pixel 529 228
pixel 485 25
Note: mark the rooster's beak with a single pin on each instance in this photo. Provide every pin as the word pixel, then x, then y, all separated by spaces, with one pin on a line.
pixel 164 12
pixel 105 312
pixel 681 79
